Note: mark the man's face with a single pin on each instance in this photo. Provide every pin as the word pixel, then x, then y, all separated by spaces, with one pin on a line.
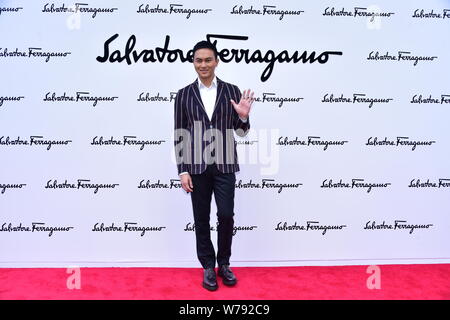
pixel 205 63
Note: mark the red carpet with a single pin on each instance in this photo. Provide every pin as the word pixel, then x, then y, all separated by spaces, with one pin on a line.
pixel 345 282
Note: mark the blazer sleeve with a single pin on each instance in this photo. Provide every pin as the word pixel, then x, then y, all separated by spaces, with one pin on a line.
pixel 240 127
pixel 181 135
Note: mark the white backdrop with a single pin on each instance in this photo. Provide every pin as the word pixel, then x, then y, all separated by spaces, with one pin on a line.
pixel 297 203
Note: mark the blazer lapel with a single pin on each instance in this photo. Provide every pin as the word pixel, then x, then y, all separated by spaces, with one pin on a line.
pixel 218 96
pixel 196 91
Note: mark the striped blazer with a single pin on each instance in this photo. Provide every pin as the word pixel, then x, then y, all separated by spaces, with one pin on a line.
pixel 200 141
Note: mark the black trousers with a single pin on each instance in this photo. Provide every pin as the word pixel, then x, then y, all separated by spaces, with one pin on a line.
pixel 222 185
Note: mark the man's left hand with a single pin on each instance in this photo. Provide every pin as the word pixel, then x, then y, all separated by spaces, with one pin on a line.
pixel 244 106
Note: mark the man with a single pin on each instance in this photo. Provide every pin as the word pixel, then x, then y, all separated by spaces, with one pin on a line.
pixel 207 112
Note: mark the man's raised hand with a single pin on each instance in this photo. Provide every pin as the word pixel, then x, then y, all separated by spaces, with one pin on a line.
pixel 243 107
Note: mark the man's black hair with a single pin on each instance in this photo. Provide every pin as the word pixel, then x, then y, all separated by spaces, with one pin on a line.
pixel 204 45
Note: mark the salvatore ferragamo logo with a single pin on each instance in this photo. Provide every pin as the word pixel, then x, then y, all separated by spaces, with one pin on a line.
pixel 310 141
pixel 35 227
pixel 126 227
pixel 32 141
pixel 174 8
pixel 354 184
pixel 309 226
pixel 399 142
pixel 268 10
pixel 400 57
pixel 80 96
pixel 356 12
pixel 32 52
pixel 125 141
pixel 77 8
pixel 80 184
pixel 396 226
pixel 163 54
pixel 356 98
pixel 266 184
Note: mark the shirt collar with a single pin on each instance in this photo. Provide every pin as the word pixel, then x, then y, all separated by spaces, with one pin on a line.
pixel 213 83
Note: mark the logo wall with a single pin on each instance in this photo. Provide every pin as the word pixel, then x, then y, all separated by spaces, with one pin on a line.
pixel 350 118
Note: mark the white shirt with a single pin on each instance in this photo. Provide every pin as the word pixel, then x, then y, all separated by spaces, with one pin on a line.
pixel 208 95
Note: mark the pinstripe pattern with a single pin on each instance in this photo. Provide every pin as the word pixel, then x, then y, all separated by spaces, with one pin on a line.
pixel 190 115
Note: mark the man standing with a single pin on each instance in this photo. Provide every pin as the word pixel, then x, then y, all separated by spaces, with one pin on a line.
pixel 207 112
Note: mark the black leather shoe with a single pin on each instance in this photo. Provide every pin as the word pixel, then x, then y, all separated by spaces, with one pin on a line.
pixel 228 277
pixel 209 279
